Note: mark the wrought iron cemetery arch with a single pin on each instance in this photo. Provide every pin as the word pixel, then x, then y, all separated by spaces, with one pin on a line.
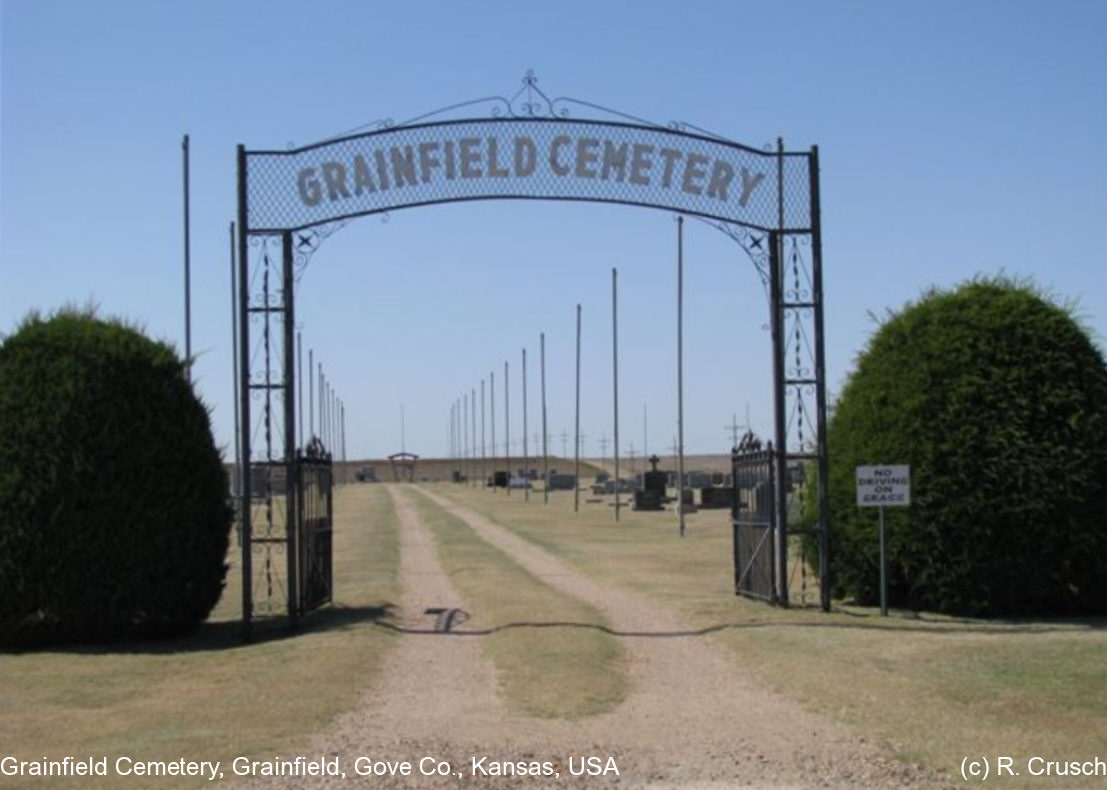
pixel 527 146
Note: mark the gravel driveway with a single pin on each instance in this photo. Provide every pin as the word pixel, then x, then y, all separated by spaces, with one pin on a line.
pixel 693 718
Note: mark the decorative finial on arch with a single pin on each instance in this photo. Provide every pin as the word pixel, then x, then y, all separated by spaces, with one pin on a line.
pixel 530 101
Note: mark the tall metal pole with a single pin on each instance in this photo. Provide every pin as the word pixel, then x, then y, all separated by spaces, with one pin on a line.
pixel 234 365
pixel 483 453
pixel 780 430
pixel 300 384
pixel 187 265
pixel 507 426
pixel 323 436
pixel 680 371
pixel 615 375
pixel 776 291
pixel 492 400
pixel 465 439
pixel 823 491
pixel 291 472
pixel 473 415
pixel 576 488
pixel 246 491
pixel 545 436
pixel 526 454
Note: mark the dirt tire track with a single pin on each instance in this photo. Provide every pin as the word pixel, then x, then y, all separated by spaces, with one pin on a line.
pixel 695 708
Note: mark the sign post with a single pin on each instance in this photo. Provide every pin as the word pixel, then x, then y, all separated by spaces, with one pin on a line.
pixel 881 486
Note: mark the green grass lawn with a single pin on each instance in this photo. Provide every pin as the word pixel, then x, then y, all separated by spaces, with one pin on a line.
pixel 210 696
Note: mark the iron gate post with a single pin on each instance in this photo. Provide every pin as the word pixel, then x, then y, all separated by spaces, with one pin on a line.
pixel 246 487
pixel 735 507
pixel 822 492
pixel 778 522
pixel 780 456
pixel 291 476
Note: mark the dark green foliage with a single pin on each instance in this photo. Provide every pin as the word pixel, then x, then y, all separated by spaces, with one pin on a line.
pixel 113 499
pixel 997 399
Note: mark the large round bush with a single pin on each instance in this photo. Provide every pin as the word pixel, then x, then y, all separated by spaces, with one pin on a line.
pixel 997 398
pixel 113 498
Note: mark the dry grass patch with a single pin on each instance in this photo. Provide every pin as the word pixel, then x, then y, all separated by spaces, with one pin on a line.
pixel 933 689
pixel 550 659
pixel 211 697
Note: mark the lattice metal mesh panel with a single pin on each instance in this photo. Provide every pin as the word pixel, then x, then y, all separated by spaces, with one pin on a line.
pixel 796 176
pixel 542 158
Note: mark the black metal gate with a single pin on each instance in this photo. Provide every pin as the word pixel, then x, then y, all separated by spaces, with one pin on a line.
pixel 754 521
pixel 314 541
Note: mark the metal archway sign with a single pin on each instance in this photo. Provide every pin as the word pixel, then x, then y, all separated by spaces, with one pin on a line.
pixel 529 147
pixel 526 158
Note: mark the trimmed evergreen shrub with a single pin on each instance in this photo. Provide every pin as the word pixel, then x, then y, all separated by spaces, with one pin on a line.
pixel 114 519
pixel 997 398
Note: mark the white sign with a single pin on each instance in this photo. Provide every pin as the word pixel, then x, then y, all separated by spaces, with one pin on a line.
pixel 884 486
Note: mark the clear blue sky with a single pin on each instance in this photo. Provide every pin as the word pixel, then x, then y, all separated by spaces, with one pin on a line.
pixel 957 138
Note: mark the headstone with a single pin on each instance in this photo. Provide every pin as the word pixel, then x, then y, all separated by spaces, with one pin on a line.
pixel 716 497
pixel 697 479
pixel 655 480
pixel 652 494
pixel 561 482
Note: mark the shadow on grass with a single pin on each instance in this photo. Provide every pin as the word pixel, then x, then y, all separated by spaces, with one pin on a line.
pixel 219 635
pixel 228 634
pixel 450 622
